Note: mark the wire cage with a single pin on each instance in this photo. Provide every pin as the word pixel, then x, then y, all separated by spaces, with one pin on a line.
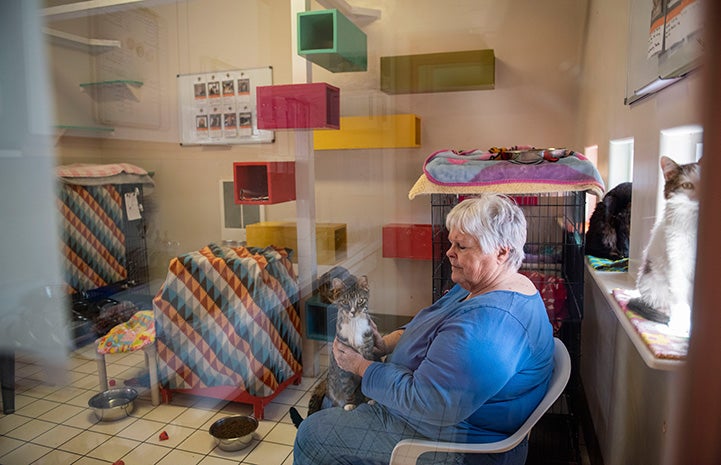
pixel 554 262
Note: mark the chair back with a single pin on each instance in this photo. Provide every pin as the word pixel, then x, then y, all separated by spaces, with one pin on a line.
pixel 407 451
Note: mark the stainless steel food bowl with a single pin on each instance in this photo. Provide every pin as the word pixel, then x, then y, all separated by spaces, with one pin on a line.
pixel 113 404
pixel 234 433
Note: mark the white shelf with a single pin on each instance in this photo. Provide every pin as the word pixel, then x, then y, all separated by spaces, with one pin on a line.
pixel 84 7
pixel 87 44
pixel 118 88
pixel 358 16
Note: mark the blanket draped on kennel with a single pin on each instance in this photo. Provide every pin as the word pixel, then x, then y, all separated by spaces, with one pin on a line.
pixel 228 317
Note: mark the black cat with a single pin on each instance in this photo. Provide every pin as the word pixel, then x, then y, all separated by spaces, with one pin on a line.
pixel 610 225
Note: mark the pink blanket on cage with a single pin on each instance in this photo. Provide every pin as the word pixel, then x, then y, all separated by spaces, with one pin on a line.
pixel 479 168
pixel 91 170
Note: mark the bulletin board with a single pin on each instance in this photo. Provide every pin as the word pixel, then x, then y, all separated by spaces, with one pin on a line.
pixel 665 43
pixel 219 108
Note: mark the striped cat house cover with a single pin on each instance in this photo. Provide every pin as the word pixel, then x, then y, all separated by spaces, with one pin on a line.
pixel 228 326
pixel 100 244
pixel 93 236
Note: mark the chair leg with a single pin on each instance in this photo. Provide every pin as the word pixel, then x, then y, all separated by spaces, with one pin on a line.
pixel 102 373
pixel 151 362
pixel 7 381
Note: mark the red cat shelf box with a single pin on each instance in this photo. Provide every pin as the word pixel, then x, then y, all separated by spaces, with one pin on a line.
pixel 263 183
pixel 298 106
pixel 407 241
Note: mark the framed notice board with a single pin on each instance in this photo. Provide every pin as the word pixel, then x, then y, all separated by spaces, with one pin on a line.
pixel 665 43
pixel 219 108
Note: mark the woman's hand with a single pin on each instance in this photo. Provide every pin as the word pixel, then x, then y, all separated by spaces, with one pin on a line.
pixel 380 348
pixel 349 359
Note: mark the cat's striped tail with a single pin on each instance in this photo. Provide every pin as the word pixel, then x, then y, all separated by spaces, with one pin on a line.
pixel 637 305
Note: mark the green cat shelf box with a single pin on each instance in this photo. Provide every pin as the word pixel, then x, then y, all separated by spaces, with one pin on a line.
pixel 332 41
pixel 438 72
pixel 320 318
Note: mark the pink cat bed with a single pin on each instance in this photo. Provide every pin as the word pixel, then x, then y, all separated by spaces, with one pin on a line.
pixel 656 336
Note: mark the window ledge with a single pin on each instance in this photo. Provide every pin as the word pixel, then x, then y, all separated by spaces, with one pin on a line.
pixel 606 282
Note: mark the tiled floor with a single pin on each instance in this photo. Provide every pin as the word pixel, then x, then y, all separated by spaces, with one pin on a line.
pixel 53 424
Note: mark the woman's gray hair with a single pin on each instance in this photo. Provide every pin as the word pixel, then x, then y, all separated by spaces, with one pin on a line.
pixel 495 221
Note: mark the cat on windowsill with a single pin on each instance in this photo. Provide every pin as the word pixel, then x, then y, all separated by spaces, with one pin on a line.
pixel 665 278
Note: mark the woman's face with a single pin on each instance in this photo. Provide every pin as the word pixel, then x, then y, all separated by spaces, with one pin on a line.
pixel 471 267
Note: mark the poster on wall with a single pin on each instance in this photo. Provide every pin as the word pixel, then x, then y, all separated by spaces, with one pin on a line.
pixel 683 19
pixel 219 108
pixel 655 33
pixel 672 22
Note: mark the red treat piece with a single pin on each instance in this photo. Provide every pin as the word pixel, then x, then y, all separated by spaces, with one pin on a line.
pixel 111 382
pixel 163 436
pixel 118 462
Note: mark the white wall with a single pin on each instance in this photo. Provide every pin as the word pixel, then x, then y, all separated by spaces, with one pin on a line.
pixel 603 117
pixel 538 49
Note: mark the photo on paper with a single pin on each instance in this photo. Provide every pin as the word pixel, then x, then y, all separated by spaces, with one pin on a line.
pixel 230 124
pixel 214 89
pixel 216 125
pixel 215 121
pixel 201 126
pixel 199 91
pixel 228 88
pixel 243 86
pixel 245 123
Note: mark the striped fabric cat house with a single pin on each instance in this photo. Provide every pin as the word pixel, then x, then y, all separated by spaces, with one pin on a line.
pixel 93 237
pixel 227 325
pixel 100 244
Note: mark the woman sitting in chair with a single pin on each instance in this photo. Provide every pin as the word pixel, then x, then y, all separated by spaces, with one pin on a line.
pixel 470 368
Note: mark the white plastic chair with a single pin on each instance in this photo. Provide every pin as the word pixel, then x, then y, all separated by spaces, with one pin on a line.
pixel 407 451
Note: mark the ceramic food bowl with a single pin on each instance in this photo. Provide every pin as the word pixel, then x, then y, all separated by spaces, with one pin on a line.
pixel 113 404
pixel 234 433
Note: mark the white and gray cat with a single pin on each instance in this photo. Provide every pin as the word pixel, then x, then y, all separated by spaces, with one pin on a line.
pixel 665 278
pixel 354 328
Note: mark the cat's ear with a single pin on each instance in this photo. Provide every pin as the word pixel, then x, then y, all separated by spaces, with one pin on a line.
pixel 668 166
pixel 363 282
pixel 337 284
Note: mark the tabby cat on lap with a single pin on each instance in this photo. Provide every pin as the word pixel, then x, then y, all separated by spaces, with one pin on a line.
pixel 610 225
pixel 665 278
pixel 354 327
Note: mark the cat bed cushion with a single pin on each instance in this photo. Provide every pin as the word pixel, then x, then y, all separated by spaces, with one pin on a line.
pixel 606 264
pixel 661 343
pixel 134 334
pixel 475 172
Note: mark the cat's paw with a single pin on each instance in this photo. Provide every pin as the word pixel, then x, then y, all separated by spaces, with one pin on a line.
pixel 348 407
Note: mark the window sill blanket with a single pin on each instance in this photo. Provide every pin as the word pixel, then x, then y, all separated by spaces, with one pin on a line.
pixel 662 343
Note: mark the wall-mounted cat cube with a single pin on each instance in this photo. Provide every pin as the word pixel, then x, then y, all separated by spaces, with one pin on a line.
pixel 408 241
pixel 329 39
pixel 263 183
pixel 371 132
pixel 298 106
pixel 438 72
pixel 331 241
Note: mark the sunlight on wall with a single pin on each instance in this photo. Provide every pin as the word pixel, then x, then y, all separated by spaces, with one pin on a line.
pixel 620 162
pixel 683 144
pixel 591 153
